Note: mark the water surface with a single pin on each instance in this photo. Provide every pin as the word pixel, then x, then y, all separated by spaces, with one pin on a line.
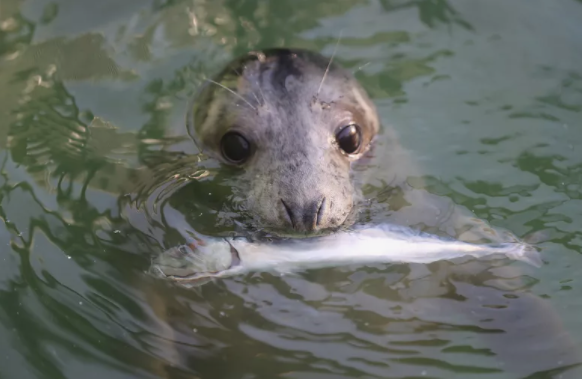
pixel 98 174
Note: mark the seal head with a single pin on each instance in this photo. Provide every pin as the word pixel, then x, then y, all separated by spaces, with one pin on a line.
pixel 293 122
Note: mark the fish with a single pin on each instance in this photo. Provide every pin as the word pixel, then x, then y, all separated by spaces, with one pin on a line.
pixel 364 245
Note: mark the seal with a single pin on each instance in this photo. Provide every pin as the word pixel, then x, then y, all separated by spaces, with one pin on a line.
pixel 293 122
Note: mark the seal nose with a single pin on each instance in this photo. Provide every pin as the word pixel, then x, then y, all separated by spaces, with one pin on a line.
pixel 305 217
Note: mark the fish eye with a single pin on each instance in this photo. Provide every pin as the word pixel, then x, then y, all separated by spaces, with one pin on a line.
pixel 235 147
pixel 349 138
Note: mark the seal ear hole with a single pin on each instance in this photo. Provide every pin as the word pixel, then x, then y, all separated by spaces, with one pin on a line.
pixel 235 147
pixel 349 138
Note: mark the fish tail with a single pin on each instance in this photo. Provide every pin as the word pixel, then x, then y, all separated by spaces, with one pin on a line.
pixel 526 253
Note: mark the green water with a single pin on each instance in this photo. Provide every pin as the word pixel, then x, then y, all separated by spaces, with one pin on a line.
pixel 97 169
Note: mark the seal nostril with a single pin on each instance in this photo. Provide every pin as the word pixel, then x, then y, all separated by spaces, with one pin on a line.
pixel 289 213
pixel 320 212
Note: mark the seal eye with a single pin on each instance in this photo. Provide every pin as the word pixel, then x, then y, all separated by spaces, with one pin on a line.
pixel 235 148
pixel 349 138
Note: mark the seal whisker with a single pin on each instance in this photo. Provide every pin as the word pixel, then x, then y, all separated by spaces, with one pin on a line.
pixel 262 59
pixel 256 98
pixel 253 92
pixel 261 92
pixel 361 67
pixel 329 64
pixel 233 92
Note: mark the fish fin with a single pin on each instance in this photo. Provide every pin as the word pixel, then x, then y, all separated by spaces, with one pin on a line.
pixel 526 253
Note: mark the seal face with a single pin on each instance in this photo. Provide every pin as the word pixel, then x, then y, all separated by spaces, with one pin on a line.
pixel 293 122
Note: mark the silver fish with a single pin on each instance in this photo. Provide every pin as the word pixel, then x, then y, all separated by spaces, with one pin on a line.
pixel 217 258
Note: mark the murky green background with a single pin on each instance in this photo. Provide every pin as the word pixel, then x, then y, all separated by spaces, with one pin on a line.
pixel 97 174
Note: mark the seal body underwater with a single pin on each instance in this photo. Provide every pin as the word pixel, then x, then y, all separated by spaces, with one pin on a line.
pixel 293 122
